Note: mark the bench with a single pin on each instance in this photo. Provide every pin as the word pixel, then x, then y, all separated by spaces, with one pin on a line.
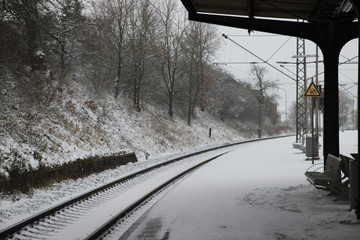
pixel 345 165
pixel 329 179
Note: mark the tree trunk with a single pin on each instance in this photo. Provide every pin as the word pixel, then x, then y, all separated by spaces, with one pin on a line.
pixel 117 81
pixel 171 98
pixel 135 84
pixel 202 88
pixel 190 98
pixel 37 56
pixel 138 96
pixel 62 57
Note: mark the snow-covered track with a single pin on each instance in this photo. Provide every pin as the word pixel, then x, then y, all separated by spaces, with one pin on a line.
pixel 55 219
pixel 114 223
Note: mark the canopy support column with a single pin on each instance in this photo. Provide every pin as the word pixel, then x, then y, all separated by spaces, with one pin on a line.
pixel 331 51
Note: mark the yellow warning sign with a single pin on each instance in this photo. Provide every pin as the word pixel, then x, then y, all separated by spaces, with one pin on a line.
pixel 312 91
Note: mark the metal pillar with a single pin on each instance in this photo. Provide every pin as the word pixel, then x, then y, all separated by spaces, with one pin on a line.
pixel 357 9
pixel 331 51
pixel 358 104
pixel 301 116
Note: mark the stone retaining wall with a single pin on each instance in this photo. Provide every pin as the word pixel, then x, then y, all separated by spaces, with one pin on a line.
pixel 44 176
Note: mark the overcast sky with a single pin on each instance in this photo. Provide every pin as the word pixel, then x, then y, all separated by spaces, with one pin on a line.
pixel 274 48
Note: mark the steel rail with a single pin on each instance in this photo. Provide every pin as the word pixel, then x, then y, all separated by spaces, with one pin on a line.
pixel 106 226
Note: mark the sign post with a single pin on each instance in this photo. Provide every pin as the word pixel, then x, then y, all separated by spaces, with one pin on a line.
pixel 313 92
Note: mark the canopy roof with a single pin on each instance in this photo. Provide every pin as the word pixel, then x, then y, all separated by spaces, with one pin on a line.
pixel 328 23
pixel 309 10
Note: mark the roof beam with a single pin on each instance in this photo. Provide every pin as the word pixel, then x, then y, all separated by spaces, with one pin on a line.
pixel 250 7
pixel 345 31
pixel 189 7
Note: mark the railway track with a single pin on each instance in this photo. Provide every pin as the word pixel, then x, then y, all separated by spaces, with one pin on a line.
pixel 125 197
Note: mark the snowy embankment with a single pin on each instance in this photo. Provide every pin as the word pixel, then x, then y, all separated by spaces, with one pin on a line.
pixel 74 126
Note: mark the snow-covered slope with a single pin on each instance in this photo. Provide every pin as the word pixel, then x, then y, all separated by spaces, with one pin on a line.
pixel 54 128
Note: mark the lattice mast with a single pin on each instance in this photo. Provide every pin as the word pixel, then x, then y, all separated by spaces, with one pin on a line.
pixel 301 103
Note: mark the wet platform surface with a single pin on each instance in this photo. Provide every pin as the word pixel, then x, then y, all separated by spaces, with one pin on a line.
pixel 258 191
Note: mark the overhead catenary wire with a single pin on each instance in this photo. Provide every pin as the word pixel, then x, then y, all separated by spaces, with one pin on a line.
pixel 348 90
pixel 176 24
pixel 279 49
pixel 226 64
pixel 342 63
pixel 348 60
pixel 263 61
pixel 227 37
pixel 253 35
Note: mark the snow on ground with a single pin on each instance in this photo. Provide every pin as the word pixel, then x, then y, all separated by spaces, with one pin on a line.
pixel 272 199
pixel 256 192
pixel 18 207
pixel 75 125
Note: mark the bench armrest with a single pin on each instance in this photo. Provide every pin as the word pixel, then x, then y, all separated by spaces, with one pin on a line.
pixel 315 167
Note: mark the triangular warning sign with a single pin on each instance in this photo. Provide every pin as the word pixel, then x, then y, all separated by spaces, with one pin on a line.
pixel 312 91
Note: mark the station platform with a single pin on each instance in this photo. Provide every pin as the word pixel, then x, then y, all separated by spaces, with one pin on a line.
pixel 257 191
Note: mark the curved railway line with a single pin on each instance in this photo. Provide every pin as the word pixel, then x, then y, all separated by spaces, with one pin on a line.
pixel 56 220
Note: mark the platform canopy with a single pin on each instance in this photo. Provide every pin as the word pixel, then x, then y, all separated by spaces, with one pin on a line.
pixel 308 10
pixel 328 23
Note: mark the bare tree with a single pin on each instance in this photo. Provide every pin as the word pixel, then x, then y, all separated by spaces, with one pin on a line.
pixel 66 18
pixel 27 11
pixel 200 43
pixel 142 32
pixel 168 51
pixel 259 73
pixel 346 103
pixel 263 88
pixel 118 21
